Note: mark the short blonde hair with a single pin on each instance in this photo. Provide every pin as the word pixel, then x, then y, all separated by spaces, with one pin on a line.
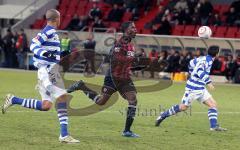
pixel 52 14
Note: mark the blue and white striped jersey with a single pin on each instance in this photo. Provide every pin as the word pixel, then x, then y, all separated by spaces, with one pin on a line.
pixel 46 40
pixel 199 70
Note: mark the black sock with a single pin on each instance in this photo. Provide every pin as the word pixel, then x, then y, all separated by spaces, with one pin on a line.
pixel 90 93
pixel 130 118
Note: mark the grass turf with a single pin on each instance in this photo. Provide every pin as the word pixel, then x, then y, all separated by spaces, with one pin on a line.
pixel 27 129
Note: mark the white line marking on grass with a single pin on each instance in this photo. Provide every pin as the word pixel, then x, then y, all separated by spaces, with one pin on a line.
pixel 24 111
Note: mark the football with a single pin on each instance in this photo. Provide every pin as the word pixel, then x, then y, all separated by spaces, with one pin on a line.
pixel 204 32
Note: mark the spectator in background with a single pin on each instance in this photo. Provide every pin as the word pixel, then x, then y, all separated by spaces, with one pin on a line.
pixel 112 2
pixel 236 6
pixel 165 28
pixel 184 61
pixel 95 12
pixel 115 14
pixel 192 5
pixel 82 23
pixel 73 25
pixel 230 70
pixel 9 49
pixel 231 16
pixel 198 53
pixel 159 15
pixel 133 6
pixel 181 5
pixel 22 48
pixel 153 56
pixel 98 24
pixel 1 49
pixel 139 55
pixel 216 20
pixel 205 11
pixel 173 61
pixel 65 45
pixel 89 53
pixel 147 4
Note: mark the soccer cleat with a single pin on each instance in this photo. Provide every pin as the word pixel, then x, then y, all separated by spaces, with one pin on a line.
pixel 159 120
pixel 218 128
pixel 68 140
pixel 75 86
pixel 129 134
pixel 7 103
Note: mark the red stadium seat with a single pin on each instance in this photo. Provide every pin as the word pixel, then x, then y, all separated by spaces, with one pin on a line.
pixel 73 3
pixel 189 30
pixel 231 32
pixel 219 34
pixel 115 25
pixel 66 20
pixel 81 12
pixel 178 30
pixel 71 11
pixel 221 29
pixel 146 31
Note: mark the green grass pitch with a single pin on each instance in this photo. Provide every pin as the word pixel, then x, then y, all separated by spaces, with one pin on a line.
pixel 24 129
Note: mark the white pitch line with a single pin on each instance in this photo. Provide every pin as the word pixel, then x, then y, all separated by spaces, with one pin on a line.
pixel 205 112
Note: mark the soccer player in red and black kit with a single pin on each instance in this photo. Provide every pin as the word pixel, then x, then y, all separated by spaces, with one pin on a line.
pixel 117 77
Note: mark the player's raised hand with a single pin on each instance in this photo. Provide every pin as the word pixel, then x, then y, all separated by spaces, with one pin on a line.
pixel 211 86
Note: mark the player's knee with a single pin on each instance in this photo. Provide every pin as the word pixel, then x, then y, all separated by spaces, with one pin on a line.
pixel 132 98
pixel 46 105
pixel 183 107
pixel 213 104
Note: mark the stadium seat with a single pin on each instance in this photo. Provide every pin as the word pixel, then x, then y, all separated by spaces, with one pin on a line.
pixel 178 30
pixel 146 31
pixel 189 30
pixel 221 29
pixel 115 25
pixel 231 32
pixel 73 4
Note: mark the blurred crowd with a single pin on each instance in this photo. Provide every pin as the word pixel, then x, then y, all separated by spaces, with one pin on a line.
pixel 96 18
pixel 193 12
pixel 13 49
pixel 170 13
pixel 178 62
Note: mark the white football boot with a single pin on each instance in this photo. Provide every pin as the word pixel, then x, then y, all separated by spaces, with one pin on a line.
pixel 7 103
pixel 68 140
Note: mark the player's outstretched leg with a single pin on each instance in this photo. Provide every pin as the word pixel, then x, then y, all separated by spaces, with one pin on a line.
pixel 213 115
pixel 132 100
pixel 79 85
pixel 27 103
pixel 172 111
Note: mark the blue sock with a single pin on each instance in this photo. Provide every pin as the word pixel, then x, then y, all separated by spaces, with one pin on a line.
pixel 212 116
pixel 63 118
pixel 28 103
pixel 172 111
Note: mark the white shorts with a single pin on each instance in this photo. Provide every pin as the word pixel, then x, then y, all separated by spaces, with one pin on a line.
pixel 199 95
pixel 50 83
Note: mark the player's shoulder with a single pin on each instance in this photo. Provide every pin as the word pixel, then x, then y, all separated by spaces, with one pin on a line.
pixel 48 30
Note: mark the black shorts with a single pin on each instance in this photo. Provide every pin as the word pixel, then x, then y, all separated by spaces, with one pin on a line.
pixel 122 86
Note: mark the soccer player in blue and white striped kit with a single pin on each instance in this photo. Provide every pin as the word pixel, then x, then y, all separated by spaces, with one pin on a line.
pixel 46 49
pixel 199 70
